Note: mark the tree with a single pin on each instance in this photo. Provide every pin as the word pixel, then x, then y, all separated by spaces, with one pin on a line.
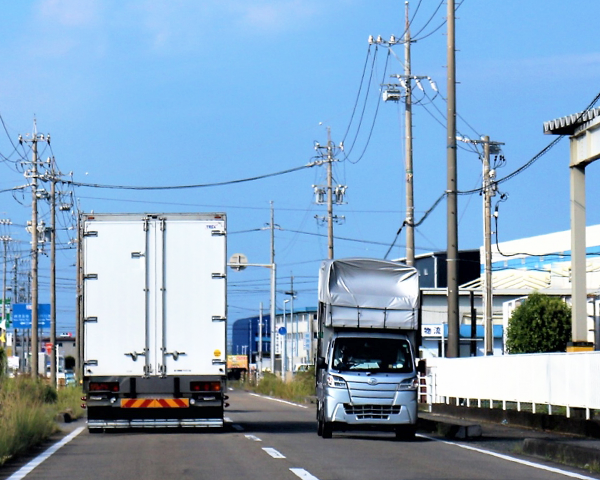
pixel 540 324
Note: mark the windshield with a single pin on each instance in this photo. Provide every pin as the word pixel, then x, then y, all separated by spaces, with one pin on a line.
pixel 372 355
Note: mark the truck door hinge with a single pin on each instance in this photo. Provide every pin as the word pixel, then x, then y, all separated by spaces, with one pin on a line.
pixel 219 275
pixel 91 319
pixel 218 233
pixel 90 276
pixel 147 370
pixel 91 233
pixel 137 254
pixel 162 370
pixel 218 318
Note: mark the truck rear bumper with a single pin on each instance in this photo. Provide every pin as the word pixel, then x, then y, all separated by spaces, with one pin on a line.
pixel 156 423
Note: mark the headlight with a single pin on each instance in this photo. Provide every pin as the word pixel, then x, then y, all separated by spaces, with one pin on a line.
pixel 335 381
pixel 409 384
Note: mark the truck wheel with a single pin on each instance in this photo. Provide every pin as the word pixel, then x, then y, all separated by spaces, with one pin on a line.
pixel 406 432
pixel 327 430
pixel 319 428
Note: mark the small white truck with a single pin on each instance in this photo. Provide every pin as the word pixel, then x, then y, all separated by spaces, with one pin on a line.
pixel 366 375
pixel 153 319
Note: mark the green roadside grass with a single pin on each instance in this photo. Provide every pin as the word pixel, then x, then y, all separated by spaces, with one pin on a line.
pixel 28 409
pixel 300 389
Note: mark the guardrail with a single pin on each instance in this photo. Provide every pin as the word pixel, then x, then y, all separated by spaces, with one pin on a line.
pixel 567 380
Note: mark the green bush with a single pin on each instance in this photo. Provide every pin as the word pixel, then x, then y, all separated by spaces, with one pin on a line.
pixel 540 324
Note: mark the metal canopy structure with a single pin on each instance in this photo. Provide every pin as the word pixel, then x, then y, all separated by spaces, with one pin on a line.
pixel 584 131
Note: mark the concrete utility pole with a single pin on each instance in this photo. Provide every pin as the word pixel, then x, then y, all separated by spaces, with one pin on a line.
pixel 451 191
pixel 34 246
pixel 410 206
pixel 260 345
pixel 488 190
pixel 5 239
pixel 487 246
pixel 53 350
pixel 273 288
pixel 328 156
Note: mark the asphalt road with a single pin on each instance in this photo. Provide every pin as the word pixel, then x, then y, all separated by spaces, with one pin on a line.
pixel 270 439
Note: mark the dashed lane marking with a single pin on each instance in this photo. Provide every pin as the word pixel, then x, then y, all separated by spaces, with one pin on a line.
pixel 300 472
pixel 254 438
pixel 274 453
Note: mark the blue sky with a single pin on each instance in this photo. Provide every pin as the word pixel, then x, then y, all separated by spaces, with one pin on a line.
pixel 183 92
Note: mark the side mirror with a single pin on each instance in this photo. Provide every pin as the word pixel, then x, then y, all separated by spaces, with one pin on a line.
pixel 321 362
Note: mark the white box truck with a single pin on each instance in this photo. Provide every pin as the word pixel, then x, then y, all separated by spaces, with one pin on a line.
pixel 153 319
pixel 368 321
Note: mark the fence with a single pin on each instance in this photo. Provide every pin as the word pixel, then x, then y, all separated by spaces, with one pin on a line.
pixel 568 380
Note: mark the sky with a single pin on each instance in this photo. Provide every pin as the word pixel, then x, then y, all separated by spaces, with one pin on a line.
pixel 194 92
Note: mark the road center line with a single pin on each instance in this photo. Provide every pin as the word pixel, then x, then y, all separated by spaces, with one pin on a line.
pixel 278 400
pixel 274 453
pixel 300 472
pixel 539 466
pixel 25 470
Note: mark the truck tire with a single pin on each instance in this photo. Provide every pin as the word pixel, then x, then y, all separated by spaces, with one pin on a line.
pixel 406 432
pixel 327 430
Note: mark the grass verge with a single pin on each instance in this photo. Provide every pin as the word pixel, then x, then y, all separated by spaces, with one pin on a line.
pixel 27 411
pixel 299 389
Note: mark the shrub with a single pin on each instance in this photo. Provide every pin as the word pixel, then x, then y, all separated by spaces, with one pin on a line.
pixel 540 324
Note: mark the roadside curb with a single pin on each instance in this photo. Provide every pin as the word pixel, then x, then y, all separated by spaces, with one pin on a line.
pixel 562 452
pixel 450 429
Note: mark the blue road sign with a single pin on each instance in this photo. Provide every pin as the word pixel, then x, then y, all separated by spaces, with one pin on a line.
pixel 21 315
pixel 282 331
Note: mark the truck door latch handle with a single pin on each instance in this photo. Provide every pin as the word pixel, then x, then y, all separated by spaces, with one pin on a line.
pixel 175 354
pixel 134 355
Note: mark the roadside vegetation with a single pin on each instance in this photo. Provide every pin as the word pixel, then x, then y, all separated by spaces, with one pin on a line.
pixel 28 409
pixel 300 389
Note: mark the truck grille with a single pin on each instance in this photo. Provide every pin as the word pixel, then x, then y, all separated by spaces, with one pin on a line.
pixel 364 412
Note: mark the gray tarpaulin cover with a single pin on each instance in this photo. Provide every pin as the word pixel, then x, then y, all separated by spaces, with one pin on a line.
pixel 369 293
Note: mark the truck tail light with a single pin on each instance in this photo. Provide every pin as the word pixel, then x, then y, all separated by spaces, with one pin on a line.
pixel 205 386
pixel 409 384
pixel 104 386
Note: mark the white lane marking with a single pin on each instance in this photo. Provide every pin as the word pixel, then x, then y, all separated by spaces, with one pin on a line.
pixel 278 400
pixel 23 471
pixel 252 437
pixel 512 459
pixel 237 427
pixel 300 472
pixel 274 453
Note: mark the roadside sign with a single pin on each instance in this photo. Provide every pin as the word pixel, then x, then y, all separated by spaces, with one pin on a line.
pixel 282 331
pixel 22 315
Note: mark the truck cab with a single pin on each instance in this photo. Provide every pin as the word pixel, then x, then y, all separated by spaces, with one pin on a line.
pixel 367 380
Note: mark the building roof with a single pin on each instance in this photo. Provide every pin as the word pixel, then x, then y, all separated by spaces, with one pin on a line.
pixel 569 124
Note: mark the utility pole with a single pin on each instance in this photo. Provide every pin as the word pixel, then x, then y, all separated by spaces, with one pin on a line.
pixel 260 346
pixel 488 190
pixel 451 192
pixel 292 295
pixel 53 350
pixel 273 289
pixel 410 207
pixel 5 239
pixel 327 154
pixel 35 138
pixel 393 93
